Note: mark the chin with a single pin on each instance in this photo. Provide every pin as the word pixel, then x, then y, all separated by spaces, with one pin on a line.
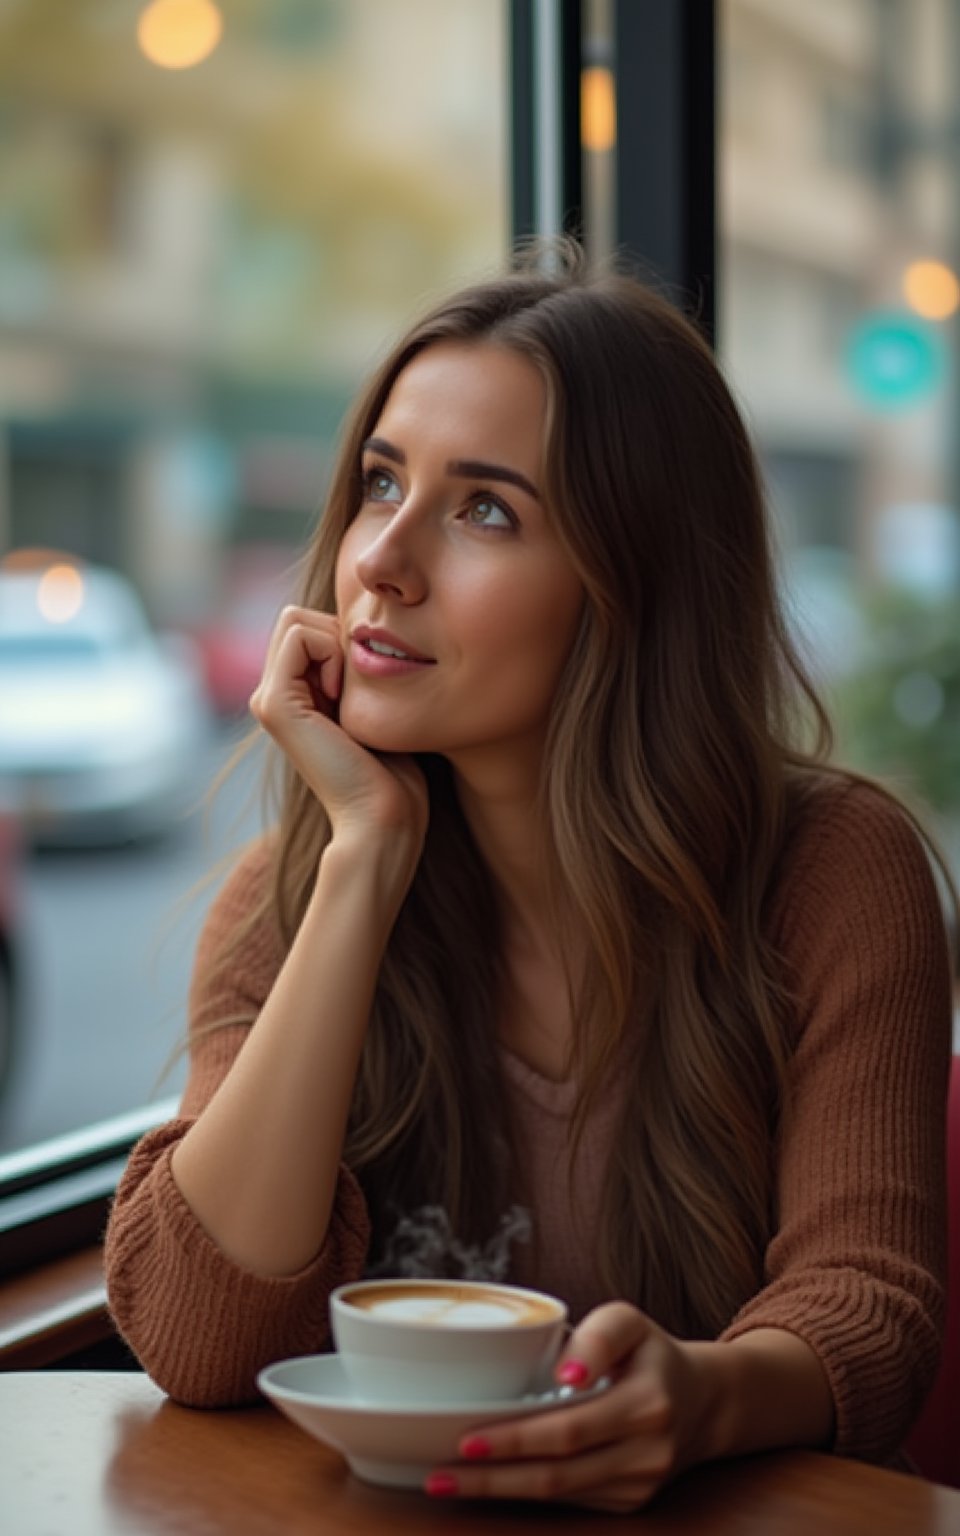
pixel 371 730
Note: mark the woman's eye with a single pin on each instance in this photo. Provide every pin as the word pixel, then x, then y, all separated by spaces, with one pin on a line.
pixel 378 485
pixel 484 513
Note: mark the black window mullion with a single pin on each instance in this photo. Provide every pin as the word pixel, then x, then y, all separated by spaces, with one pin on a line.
pixel 571 66
pixel 523 194
pixel 665 61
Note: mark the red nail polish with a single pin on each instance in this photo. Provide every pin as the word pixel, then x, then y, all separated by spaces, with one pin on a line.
pixel 440 1485
pixel 474 1448
pixel 573 1373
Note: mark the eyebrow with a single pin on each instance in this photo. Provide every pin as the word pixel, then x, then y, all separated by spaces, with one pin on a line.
pixel 464 468
pixel 468 468
pixel 380 445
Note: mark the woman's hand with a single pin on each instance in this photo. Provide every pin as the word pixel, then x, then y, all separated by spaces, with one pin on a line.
pixel 613 1452
pixel 296 702
pixel 672 1404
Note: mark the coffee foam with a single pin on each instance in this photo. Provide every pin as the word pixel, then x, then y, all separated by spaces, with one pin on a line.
pixel 451 1308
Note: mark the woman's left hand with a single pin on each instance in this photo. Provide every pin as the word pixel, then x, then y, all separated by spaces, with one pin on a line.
pixel 613 1452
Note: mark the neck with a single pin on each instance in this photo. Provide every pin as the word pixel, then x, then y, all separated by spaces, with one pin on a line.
pixel 502 813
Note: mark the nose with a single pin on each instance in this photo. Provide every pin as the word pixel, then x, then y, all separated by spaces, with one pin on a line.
pixel 390 565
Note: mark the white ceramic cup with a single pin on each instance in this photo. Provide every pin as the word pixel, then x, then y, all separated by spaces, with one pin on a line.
pixel 446 1341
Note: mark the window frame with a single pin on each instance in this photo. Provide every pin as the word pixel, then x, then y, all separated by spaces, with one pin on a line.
pixel 55 1195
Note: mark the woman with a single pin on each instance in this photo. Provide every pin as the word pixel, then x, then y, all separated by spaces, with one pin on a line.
pixel 561 920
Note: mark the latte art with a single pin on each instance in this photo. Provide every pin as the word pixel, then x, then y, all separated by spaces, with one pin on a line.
pixel 452 1306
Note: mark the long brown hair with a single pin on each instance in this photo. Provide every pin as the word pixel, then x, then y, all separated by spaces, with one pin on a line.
pixel 682 732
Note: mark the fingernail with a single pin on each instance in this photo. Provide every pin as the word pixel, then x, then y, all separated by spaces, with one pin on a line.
pixel 474 1448
pixel 440 1485
pixel 573 1373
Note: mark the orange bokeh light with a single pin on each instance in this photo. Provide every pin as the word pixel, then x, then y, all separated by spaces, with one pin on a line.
pixel 177 34
pixel 932 289
pixel 598 109
pixel 60 593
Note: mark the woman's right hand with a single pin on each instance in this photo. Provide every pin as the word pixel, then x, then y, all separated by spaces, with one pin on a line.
pixel 296 702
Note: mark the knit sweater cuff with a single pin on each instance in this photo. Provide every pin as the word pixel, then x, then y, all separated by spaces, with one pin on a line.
pixel 878 1353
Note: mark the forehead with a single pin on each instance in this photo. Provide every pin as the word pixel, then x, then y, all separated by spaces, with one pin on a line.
pixel 471 400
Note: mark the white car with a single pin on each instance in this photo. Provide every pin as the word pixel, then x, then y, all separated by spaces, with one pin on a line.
pixel 102 722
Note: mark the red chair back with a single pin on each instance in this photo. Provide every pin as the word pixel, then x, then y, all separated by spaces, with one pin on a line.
pixel 934 1443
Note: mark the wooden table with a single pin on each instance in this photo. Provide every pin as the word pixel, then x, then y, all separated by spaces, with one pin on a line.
pixel 99 1454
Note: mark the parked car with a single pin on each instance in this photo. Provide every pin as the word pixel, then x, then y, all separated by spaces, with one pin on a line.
pixel 101 719
pixel 10 967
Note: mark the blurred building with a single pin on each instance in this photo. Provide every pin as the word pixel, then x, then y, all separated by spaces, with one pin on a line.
pixel 838 164
pixel 196 265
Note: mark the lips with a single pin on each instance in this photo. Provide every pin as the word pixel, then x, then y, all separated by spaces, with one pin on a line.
pixel 364 634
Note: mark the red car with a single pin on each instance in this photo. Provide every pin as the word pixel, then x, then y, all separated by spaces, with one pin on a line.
pixel 257 583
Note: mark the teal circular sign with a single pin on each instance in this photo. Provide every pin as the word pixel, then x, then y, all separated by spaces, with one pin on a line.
pixel 894 360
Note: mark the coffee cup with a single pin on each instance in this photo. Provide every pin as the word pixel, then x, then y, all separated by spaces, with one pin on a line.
pixel 420 1342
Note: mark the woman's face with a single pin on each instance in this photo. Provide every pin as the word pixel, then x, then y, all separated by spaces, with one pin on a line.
pixel 453 557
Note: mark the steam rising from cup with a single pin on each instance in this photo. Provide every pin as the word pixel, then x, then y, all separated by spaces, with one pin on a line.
pixel 423 1244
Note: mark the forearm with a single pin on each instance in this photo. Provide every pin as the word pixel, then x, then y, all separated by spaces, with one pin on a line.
pixel 764 1389
pixel 259 1167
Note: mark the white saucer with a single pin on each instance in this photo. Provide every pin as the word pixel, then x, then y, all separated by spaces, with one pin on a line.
pixel 393 1446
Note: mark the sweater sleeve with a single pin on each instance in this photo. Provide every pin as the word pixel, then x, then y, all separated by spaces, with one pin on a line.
pixel 201 1325
pixel 857 1264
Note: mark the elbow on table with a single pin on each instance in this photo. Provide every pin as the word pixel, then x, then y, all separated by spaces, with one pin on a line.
pixel 187 1392
pixel 190 1376
pixel 185 1363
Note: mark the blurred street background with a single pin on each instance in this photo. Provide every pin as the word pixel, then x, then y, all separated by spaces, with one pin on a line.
pixel 108 947
pixel 213 219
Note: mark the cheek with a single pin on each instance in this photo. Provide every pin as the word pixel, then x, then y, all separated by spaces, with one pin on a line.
pixel 530 633
pixel 553 618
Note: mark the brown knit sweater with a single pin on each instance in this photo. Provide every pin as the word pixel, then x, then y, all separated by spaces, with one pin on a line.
pixel 856 1266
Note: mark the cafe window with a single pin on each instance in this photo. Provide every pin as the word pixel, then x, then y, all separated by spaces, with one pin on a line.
pixel 259 220
pixel 199 263
pixel 213 219
pixel 212 245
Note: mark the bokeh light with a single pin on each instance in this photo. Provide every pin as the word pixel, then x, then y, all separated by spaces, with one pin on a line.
pixel 931 289
pixel 598 109
pixel 60 593
pixel 177 34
